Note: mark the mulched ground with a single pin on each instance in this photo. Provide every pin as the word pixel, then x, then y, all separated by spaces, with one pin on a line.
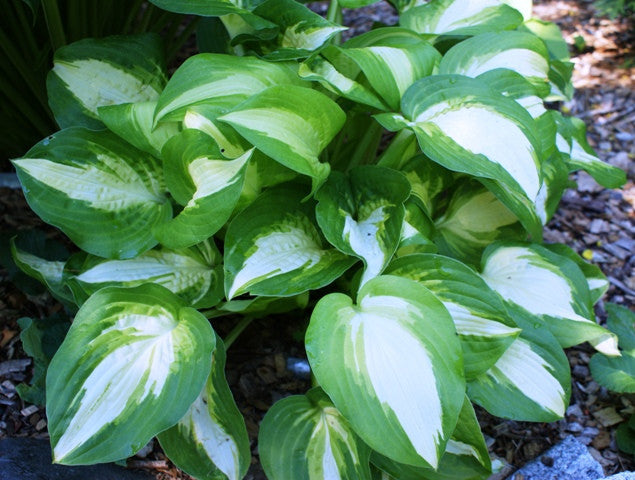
pixel 594 221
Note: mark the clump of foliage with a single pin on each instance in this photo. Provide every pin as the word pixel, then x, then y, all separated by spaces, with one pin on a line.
pixel 615 8
pixel 393 187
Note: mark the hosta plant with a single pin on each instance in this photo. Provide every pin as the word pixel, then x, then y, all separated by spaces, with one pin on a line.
pixel 392 188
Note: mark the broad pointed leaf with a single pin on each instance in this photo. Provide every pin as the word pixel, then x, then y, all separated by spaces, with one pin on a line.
pixel 305 437
pixel 480 318
pixel 416 232
pixel 363 355
pixel 132 363
pixel 274 248
pixel 290 124
pixel 427 180
pixel 60 174
pixel 206 183
pixel 108 71
pixel 362 214
pixel 210 441
pixel 549 287
pixel 222 80
pixel 187 273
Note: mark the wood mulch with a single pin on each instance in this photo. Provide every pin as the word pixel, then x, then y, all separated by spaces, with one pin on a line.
pixel 596 222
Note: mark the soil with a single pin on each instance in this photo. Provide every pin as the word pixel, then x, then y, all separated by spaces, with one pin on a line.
pixel 597 223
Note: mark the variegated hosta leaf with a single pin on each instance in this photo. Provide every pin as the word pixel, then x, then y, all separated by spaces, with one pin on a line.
pixel 207 184
pixel 257 307
pixel 107 71
pixel 301 30
pixel 572 142
pixel 133 123
pixel 457 17
pixel 304 437
pixel 521 52
pixel 531 381
pixel 481 320
pixel 274 247
pixel 427 180
pixel 204 8
pixel 362 214
pixel 514 85
pixel 132 362
pixel 186 273
pixel 210 442
pixel 103 193
pixel 416 232
pixel 549 287
pixel 221 80
pixel 465 457
pixel 290 124
pixel 392 364
pixel 596 280
pixel 392 59
pixel 474 219
pixel 465 126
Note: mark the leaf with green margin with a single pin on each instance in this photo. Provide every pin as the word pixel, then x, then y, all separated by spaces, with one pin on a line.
pixel 597 281
pixel 392 59
pixel 221 80
pixel 210 441
pixel 356 3
pixel 305 437
pixel 132 363
pixel 186 273
pixel 560 75
pixel 454 118
pixel 274 247
pixel 258 307
pixel 40 340
pixel 104 71
pixel 550 288
pixel 59 175
pixel 481 320
pixel 416 232
pixel 550 34
pixel 521 52
pixel 465 458
pixel 290 124
pixel 427 180
pixel 362 356
pixel 514 85
pixel 456 17
pixel 207 184
pixel 530 382
pixel 302 31
pixel 362 213
pixel 133 123
pixel 474 219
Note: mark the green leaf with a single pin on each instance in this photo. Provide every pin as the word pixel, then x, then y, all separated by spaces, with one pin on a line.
pixel 274 247
pixel 258 307
pixel 362 214
pixel 59 176
pixel 363 355
pixel 133 123
pixel 220 80
pixel 474 219
pixel 427 180
pixel 305 437
pixel 205 8
pixel 188 273
pixel 484 327
pixel 621 322
pixel 550 34
pixel 455 17
pixel 132 363
pixel 290 124
pixel 93 72
pixel 416 232
pixel 207 184
pixel 521 52
pixel 531 381
pixel 210 441
pixel 548 287
pixel 625 436
pixel 455 117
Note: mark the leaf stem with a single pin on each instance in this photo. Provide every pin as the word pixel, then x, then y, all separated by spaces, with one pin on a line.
pixel 54 23
pixel 236 331
pixel 334 14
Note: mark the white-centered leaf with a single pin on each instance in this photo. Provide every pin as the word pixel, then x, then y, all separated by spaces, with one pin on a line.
pixel 551 288
pixel 130 366
pixel 274 248
pixel 305 437
pixel 108 71
pixel 115 192
pixel 362 355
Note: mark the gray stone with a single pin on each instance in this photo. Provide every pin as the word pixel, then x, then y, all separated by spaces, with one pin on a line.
pixel 622 476
pixel 568 460
pixel 30 459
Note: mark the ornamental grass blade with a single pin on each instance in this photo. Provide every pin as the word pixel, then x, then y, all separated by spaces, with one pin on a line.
pixel 132 363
